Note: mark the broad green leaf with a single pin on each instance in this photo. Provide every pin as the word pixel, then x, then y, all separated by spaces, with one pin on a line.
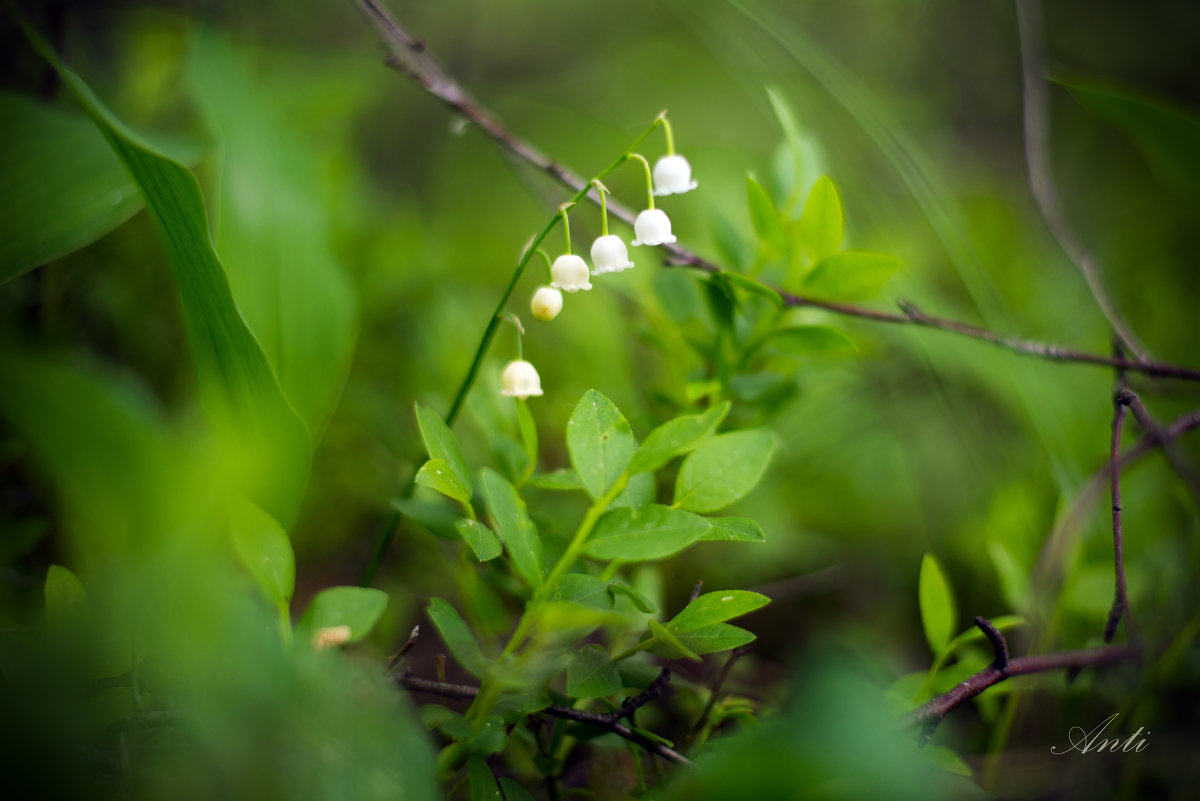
pixel 637 535
pixel 716 607
pixel 66 600
pixel 668 644
pixel 639 491
pixel 482 783
pixel 529 434
pixel 63 187
pixel 592 673
pixel 723 469
pixel 946 759
pixel 754 287
pixel 359 608
pixel 640 601
pixel 937 603
pixel 812 340
pixel 561 479
pixel 513 791
pixel 482 540
pixel 714 639
pixel 239 388
pixel 440 443
pixel 274 236
pixel 805 161
pixel 821 223
pixel 852 275
pixel 677 437
pixel 437 517
pixel 458 637
pixel 265 550
pixel 599 441
pixel 733 529
pixel 583 589
pixel 763 214
pixel 437 474
pixel 734 252
pixel 512 524
pixel 1015 584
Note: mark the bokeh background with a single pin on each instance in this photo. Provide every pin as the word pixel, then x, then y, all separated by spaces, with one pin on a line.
pixel 921 443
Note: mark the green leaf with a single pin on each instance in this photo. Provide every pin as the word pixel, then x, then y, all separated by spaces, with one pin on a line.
pixel 821 223
pixel 585 590
pixel 512 524
pixel 482 539
pixel 1015 584
pixel 716 607
pixel 639 491
pixel 733 529
pixel 63 186
pixel 513 791
pixel 275 237
pixel 66 600
pixel 359 608
pixel 728 240
pixel 637 535
pixel 529 434
pixel 640 601
pixel 947 759
pixel 754 287
pixel 852 275
pixel 723 469
pixel 937 603
pixel 763 214
pixel 437 517
pixel 458 637
pixel 599 441
pixel 440 443
pixel 714 639
pixel 483 786
pixel 265 550
pixel 437 474
pixel 677 437
pixel 668 644
pixel 561 479
pixel 592 673
pixel 239 388
pixel 812 340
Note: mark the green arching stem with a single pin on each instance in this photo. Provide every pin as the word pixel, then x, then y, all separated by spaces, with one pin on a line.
pixel 603 207
pixel 564 210
pixel 633 649
pixel 285 625
pixel 489 333
pixel 666 124
pixel 649 177
pixel 549 265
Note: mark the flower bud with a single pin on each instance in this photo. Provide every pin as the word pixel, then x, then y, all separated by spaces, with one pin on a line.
pixel 652 227
pixel 609 255
pixel 521 380
pixel 673 176
pixel 570 273
pixel 547 303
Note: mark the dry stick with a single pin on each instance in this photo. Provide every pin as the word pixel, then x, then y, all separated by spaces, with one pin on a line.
pixel 608 722
pixel 409 55
pixel 1120 595
pixel 1041 179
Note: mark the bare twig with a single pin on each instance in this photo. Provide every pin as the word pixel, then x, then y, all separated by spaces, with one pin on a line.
pixel 395 658
pixel 932 712
pixel 1120 595
pixel 734 656
pixel 410 56
pixel 999 645
pixel 606 721
pixel 1041 178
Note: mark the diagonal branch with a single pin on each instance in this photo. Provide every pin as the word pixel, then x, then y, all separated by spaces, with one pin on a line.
pixel 1120 605
pixel 410 56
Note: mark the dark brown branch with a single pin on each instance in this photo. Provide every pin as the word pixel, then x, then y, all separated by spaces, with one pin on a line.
pixel 410 56
pixel 395 658
pixel 1120 595
pixel 606 721
pixel 999 645
pixel 932 712
pixel 1040 172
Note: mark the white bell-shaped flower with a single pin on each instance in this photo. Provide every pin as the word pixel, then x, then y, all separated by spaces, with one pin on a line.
pixel 521 380
pixel 673 176
pixel 653 227
pixel 547 303
pixel 570 273
pixel 609 255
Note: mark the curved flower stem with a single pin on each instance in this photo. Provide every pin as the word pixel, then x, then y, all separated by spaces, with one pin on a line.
pixel 563 211
pixel 666 125
pixel 549 265
pixel 649 177
pixel 602 190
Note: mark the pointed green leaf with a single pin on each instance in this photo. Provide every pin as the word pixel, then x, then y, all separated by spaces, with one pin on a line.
pixel 529 433
pixel 483 786
pixel 264 548
pixel 852 275
pixel 733 529
pixel 639 491
pixel 668 644
pixel 640 601
pixel 763 214
pixel 723 469
pixel 821 223
pixel 440 443
pixel 66 600
pixel 636 535
pixel 937 603
pixel 755 288
pixel 359 608
pixel 561 479
pixel 437 517
pixel 716 607
pixel 583 589
pixel 599 441
pixel 437 474
pixel 592 673
pixel 513 791
pixel 458 637
pixel 677 437
pixel 512 524
pixel 714 639
pixel 482 540
pixel 812 340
